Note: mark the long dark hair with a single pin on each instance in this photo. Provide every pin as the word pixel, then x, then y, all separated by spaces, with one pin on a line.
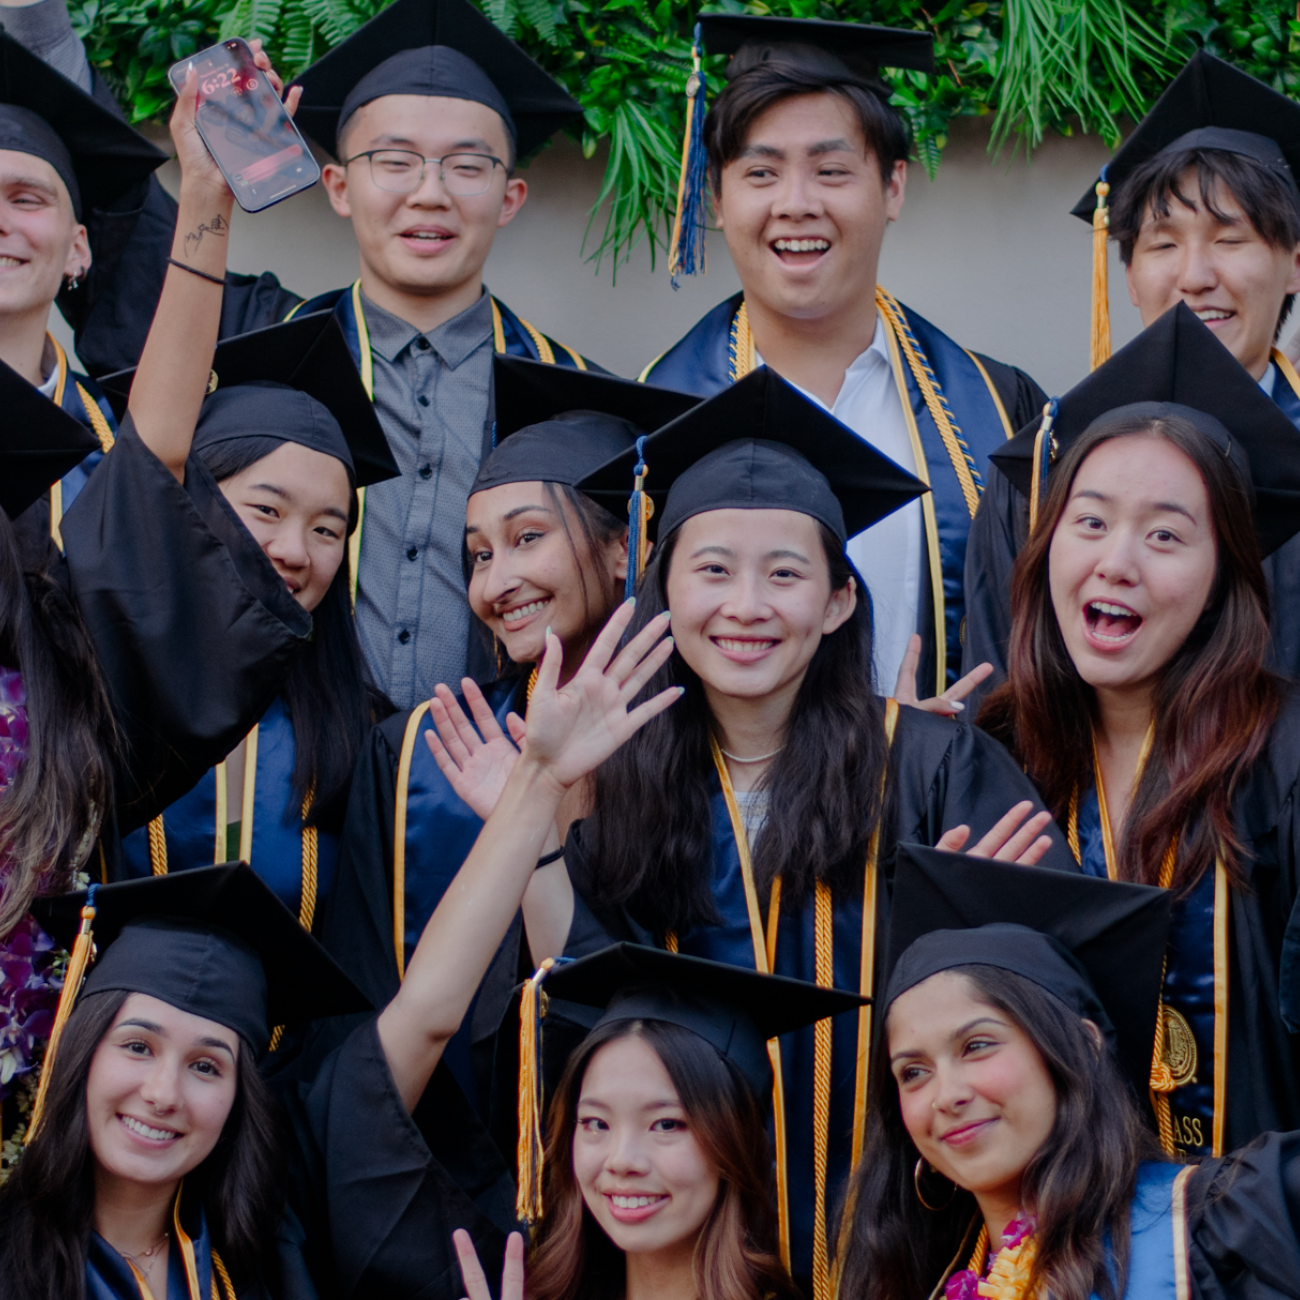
pixel 331 700
pixel 595 529
pixel 47 1206
pixel 52 810
pixel 649 842
pixel 1215 703
pixel 736 1256
pixel 1079 1185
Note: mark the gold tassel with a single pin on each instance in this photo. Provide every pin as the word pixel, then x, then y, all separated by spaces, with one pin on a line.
pixel 72 981
pixel 1100 287
pixel 1044 454
pixel 647 508
pixel 532 1007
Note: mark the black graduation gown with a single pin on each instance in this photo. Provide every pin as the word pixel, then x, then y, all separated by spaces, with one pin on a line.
pixel 941 774
pixel 193 629
pixel 1000 529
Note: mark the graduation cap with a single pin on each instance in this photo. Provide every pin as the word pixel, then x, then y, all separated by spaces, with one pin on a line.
pixel 39 443
pixel 1208 105
pixel 555 424
pixel 1177 367
pixel 445 48
pixel 97 156
pixel 1097 945
pixel 840 52
pixel 759 445
pixel 736 1011
pixel 215 942
pixel 296 381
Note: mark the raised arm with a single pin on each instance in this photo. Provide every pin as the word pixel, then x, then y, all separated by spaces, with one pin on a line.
pixel 571 731
pixel 173 374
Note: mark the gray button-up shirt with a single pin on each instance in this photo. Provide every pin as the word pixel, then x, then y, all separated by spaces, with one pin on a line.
pixel 431 396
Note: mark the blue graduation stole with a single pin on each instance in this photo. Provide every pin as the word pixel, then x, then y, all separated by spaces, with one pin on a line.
pixel 433 832
pixel 297 861
pixel 511 335
pixel 1158 1267
pixel 954 415
pixel 80 396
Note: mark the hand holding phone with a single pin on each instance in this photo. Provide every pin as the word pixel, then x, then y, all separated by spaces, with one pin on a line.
pixel 245 127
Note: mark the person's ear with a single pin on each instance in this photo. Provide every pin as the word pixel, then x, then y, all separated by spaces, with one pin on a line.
pixel 334 177
pixel 840 607
pixel 513 200
pixel 1093 1032
pixel 621 557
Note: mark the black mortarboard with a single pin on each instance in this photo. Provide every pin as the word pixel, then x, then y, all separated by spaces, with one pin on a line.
pixel 39 443
pixel 851 49
pixel 295 381
pixel 1211 105
pixel 555 424
pixel 97 156
pixel 734 1009
pixel 214 941
pixel 760 444
pixel 1097 945
pixel 434 47
pixel 1176 366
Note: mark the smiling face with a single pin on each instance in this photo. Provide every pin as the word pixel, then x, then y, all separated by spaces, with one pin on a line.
pixel 160 1088
pixel 428 242
pixel 1223 270
pixel 636 1161
pixel 976 1096
pixel 750 596
pixel 295 502
pixel 41 241
pixel 1132 562
pixel 804 209
pixel 526 577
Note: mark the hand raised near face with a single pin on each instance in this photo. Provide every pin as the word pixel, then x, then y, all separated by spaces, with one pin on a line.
pixel 471 1271
pixel 1008 841
pixel 475 756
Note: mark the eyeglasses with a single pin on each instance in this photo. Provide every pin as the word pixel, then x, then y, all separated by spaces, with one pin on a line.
pixel 401 171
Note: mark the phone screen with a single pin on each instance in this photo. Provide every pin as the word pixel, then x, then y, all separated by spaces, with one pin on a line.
pixel 245 127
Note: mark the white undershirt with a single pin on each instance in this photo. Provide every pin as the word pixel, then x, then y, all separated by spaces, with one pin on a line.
pixel 889 554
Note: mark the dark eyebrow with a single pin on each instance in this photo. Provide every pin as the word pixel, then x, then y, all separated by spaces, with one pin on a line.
pixel 153 1028
pixel 219 1043
pixel 957 1033
pixel 787 555
pixel 404 142
pixel 839 144
pixel 1171 506
pixel 142 1024
pixel 762 151
pixel 512 514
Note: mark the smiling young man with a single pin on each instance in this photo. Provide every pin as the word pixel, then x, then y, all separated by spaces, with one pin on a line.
pixel 427 108
pixel 60 155
pixel 1205 209
pixel 807 162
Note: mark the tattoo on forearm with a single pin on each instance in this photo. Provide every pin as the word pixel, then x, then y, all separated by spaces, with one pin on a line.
pixel 217 226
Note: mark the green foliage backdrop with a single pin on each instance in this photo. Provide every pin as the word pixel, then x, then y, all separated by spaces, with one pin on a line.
pixel 1035 65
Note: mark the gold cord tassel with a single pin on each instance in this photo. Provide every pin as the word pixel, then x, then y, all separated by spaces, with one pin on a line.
pixel 72 981
pixel 1162 1077
pixel 532 1007
pixel 1044 454
pixel 1100 286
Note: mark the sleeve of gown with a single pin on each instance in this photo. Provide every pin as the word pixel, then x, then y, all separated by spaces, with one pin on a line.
pixel 1242 1217
pixel 193 629
pixel 381 1190
pixel 951 774
pixel 997 533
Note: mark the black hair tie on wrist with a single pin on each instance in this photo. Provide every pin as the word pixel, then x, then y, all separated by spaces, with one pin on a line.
pixel 547 858
pixel 194 270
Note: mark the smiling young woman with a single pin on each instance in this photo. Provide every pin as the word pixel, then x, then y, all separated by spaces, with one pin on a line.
pixel 1005 1155
pixel 757 821
pixel 1140 701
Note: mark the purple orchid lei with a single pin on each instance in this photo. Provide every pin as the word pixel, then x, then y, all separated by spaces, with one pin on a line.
pixel 29 963
pixel 964 1285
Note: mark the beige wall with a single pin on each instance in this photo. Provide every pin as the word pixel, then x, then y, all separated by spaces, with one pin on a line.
pixel 988 251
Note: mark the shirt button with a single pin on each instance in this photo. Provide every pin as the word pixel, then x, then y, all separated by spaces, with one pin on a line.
pixel 426 471
pixel 423 400
pixel 422 343
pixel 404 636
pixel 412 552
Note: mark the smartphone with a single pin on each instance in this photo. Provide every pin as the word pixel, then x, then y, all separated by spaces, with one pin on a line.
pixel 244 125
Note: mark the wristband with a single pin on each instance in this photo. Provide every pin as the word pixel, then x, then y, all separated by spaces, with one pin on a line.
pixel 194 270
pixel 553 856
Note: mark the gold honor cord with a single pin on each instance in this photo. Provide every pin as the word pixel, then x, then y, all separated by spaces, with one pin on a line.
pixel 824 966
pixel 56 488
pixel 1162 1077
pixel 1182 1282
pixel 409 737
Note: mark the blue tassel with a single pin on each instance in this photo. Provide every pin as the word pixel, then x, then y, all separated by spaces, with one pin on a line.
pixel 686 251
pixel 639 510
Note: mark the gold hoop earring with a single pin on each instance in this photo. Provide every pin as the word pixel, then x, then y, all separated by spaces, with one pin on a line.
pixel 916 1182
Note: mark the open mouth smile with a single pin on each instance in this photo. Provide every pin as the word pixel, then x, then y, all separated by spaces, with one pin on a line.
pixel 744 649
pixel 147 1132
pixel 521 615
pixel 634 1209
pixel 1213 316
pixel 800 252
pixel 1110 625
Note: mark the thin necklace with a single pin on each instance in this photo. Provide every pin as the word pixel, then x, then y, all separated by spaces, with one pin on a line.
pixel 147 1254
pixel 762 758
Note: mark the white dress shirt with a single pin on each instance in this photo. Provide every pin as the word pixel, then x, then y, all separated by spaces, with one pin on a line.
pixel 889 554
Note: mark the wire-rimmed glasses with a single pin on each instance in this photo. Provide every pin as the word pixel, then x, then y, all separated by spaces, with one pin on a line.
pixel 401 171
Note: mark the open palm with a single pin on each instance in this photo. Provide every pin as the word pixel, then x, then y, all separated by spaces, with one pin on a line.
pixel 475 756
pixel 572 729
